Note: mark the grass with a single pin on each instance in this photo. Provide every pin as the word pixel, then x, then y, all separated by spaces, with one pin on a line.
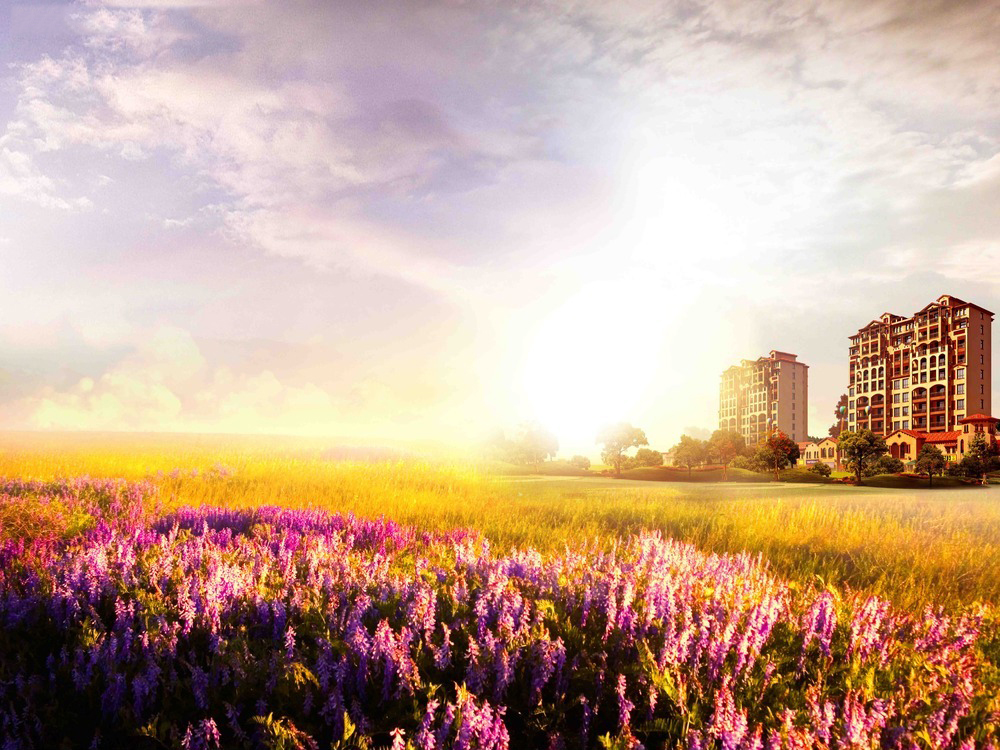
pixel 893 537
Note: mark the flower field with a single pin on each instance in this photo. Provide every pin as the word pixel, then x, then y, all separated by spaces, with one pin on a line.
pixel 129 620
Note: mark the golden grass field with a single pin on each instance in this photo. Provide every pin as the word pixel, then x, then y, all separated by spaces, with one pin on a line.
pixel 916 547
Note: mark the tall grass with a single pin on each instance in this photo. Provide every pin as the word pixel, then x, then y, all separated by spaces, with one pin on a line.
pixel 914 548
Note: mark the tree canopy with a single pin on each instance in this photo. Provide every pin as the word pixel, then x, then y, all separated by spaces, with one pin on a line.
pixel 858 448
pixel 617 440
pixel 532 444
pixel 724 446
pixel 648 457
pixel 690 452
pixel 931 461
pixel 776 451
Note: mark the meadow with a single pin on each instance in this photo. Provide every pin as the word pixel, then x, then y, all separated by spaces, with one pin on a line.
pixel 250 592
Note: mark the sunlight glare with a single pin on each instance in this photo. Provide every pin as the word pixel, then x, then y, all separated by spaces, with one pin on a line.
pixel 592 359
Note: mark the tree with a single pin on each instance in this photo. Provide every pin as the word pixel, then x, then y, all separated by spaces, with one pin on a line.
pixel 858 448
pixel 724 446
pixel 840 412
pixel 617 440
pixel 931 461
pixel 648 457
pixel 776 451
pixel 884 464
pixel 981 459
pixel 535 444
pixel 690 452
pixel 580 462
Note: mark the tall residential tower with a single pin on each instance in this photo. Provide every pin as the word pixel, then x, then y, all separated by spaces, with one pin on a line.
pixel 759 395
pixel 923 373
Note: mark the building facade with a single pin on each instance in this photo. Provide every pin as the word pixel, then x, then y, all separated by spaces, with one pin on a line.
pixel 759 395
pixel 824 451
pixel 906 444
pixel 924 373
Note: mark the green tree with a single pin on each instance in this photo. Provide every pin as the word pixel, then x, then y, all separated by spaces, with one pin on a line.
pixel 690 452
pixel 858 448
pixel 617 440
pixel 580 462
pixel 534 444
pixel 648 457
pixel 931 461
pixel 777 451
pixel 981 459
pixel 724 446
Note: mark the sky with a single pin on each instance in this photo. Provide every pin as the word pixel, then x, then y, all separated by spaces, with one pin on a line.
pixel 427 220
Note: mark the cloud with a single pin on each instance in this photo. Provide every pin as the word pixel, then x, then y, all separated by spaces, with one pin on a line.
pixel 168 382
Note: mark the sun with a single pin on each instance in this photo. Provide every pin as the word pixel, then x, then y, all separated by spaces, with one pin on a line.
pixel 590 361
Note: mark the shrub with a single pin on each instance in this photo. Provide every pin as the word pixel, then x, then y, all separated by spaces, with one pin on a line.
pixel 580 462
pixel 884 464
pixel 821 468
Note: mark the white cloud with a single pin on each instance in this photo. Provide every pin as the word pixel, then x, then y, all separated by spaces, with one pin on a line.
pixel 167 383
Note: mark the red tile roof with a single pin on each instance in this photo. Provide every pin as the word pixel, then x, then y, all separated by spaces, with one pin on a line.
pixel 942 437
pixel 978 418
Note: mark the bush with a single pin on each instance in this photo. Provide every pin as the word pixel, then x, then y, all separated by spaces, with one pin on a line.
pixel 821 468
pixel 580 462
pixel 884 464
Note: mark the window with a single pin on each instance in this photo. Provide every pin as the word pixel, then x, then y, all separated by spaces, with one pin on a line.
pixel 960 388
pixel 981 359
pixel 906 424
pixel 960 404
pixel 895 425
pixel 895 398
pixel 960 373
pixel 906 411
pixel 895 412
pixel 906 397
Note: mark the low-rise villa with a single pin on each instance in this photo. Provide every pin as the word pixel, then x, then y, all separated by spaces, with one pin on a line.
pixel 906 444
pixel 824 451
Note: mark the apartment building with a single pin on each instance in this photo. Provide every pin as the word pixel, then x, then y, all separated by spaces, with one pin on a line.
pixel 924 373
pixel 759 395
